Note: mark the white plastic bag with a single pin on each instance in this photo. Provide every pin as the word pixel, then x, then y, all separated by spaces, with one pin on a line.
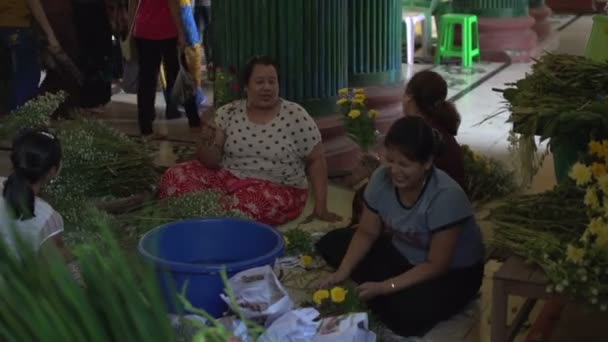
pixel 351 328
pixel 259 295
pixel 294 326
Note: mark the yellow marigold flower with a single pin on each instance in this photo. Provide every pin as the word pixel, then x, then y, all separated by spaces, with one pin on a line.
pixel 596 148
pixel 581 174
pixel 342 101
pixel 343 91
pixel 373 113
pixel 355 113
pixel 338 294
pixel 319 296
pixel 591 199
pixel 598 169
pixel 596 226
pixel 603 183
pixel 359 91
pixel 575 255
pixel 360 97
pixel 306 260
pixel 358 102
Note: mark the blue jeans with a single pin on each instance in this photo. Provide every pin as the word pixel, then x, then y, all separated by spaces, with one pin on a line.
pixel 24 65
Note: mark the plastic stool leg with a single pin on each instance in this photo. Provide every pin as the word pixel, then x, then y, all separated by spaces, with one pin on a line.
pixel 467 58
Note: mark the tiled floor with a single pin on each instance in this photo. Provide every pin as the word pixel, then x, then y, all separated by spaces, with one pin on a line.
pixel 475 98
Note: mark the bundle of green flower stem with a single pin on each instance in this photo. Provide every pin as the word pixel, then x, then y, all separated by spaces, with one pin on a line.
pixel 487 178
pixel 158 212
pixel 530 225
pixel 34 113
pixel 564 99
pixel 120 300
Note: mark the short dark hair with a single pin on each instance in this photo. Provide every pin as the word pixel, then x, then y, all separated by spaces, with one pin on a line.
pixel 257 60
pixel 429 91
pixel 414 138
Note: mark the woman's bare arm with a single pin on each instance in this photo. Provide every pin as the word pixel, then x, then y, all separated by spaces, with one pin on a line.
pixel 40 17
pixel 210 149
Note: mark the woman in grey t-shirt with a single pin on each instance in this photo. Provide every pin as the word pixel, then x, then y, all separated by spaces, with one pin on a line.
pixel 431 266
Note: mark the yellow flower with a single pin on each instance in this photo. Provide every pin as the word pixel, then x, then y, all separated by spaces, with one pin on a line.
pixel 360 97
pixel 596 148
pixel 603 182
pixel 343 91
pixel 358 102
pixel 286 239
pixel 596 226
pixel 338 294
pixel 598 169
pixel 581 174
pixel 359 91
pixel 342 101
pixel 319 296
pixel 355 113
pixel 591 199
pixel 575 255
pixel 306 260
pixel 373 113
pixel 602 240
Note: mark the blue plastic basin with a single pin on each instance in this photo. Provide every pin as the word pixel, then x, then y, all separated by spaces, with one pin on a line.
pixel 195 251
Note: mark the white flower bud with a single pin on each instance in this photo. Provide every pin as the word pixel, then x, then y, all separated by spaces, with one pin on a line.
pixel 593 300
pixel 565 283
pixel 549 289
pixel 559 288
pixel 584 278
pixel 595 292
pixel 603 307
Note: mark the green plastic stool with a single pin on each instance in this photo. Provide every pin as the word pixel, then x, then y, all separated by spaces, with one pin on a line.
pixel 469 48
pixel 597 46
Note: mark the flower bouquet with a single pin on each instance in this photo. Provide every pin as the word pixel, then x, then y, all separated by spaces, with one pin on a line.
pixel 336 301
pixel 360 125
pixel 226 87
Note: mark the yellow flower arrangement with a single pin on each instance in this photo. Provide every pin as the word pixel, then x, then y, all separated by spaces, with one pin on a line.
pixel 320 296
pixel 359 120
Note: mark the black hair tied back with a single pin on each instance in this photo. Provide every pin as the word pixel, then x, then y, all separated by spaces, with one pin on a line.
pixel 35 153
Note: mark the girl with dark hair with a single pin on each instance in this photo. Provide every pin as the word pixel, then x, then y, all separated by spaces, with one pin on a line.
pixel 431 265
pixel 258 152
pixel 426 96
pixel 36 159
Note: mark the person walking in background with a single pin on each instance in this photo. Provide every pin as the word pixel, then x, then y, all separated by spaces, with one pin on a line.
pixel 61 71
pixel 95 60
pixel 18 40
pixel 158 31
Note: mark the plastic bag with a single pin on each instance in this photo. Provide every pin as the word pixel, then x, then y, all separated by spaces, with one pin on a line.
pixel 352 328
pixel 294 326
pixel 259 295
pixel 184 88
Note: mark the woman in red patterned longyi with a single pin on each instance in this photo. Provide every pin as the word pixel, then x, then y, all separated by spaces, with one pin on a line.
pixel 258 152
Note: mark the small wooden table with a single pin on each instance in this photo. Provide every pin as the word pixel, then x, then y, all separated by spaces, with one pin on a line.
pixel 515 278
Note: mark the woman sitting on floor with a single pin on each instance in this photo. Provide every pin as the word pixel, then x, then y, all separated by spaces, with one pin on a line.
pixel 258 152
pixel 431 266
pixel 36 160
pixel 426 96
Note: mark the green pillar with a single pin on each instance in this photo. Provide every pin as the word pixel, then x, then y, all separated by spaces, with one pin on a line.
pixel 306 37
pixel 374 47
pixel 493 8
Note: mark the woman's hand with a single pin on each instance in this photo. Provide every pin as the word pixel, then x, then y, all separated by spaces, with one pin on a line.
pixel 371 290
pixel 332 280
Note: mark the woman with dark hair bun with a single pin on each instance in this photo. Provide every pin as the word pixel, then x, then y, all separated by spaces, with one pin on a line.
pixel 36 159
pixel 262 153
pixel 430 266
pixel 426 96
